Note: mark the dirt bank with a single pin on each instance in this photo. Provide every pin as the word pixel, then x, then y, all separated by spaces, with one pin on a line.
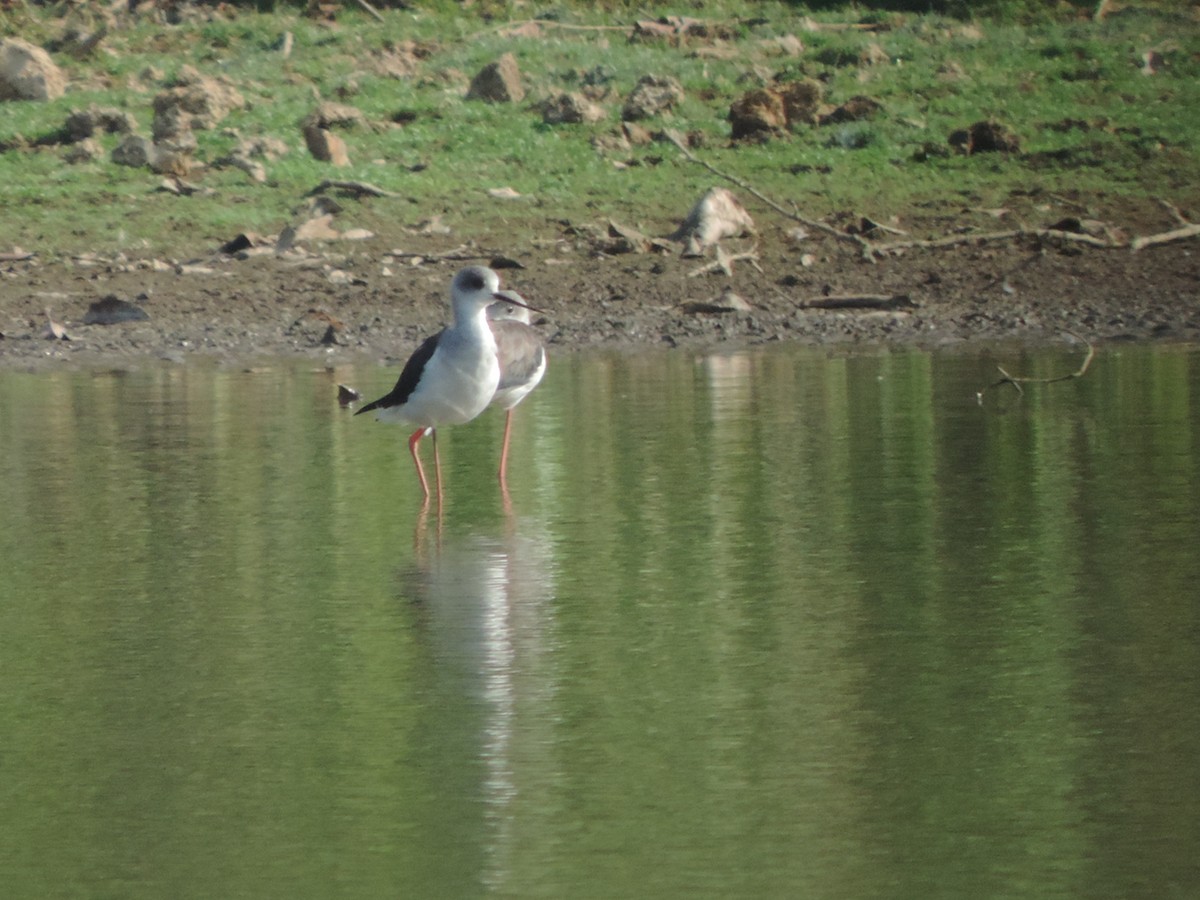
pixel 370 301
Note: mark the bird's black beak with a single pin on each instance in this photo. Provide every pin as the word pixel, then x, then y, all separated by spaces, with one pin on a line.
pixel 508 298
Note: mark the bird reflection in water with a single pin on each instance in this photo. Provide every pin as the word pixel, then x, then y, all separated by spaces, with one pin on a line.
pixel 482 614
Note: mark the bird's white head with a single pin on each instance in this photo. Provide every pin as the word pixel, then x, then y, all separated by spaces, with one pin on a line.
pixel 472 290
pixel 509 305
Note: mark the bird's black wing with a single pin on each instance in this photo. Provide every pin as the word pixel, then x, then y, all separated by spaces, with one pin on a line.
pixel 409 377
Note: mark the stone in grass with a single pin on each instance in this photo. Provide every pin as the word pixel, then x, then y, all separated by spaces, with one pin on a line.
pixel 985 137
pixel 326 146
pixel 28 73
pixel 85 123
pixel 112 310
pixel 498 82
pixel 757 113
pixel 567 108
pixel 653 95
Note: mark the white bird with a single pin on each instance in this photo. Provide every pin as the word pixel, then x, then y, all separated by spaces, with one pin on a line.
pixel 522 360
pixel 453 375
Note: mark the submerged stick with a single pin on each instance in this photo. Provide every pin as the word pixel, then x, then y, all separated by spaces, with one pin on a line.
pixel 1017 380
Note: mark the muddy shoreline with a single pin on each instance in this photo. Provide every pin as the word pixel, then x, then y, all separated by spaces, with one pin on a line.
pixel 375 304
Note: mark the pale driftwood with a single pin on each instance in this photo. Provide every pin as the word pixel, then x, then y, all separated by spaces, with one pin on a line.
pixel 982 237
pixel 1017 380
pixel 462 253
pixel 361 188
pixel 1178 234
pixel 860 301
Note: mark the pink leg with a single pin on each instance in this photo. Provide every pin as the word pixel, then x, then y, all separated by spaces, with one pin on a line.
pixel 504 448
pixel 412 448
pixel 437 466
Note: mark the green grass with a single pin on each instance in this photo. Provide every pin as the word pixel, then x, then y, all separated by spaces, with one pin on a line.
pixel 1091 124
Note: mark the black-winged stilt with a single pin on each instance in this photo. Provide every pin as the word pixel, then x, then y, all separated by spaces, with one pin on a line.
pixel 453 375
pixel 522 360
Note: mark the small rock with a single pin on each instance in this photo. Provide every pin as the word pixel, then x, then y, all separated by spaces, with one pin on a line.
pixel 801 101
pixel 568 108
pixel 167 160
pixel 318 228
pixel 985 137
pixel 757 113
pixel 28 73
pixel 269 148
pixel 330 115
pixel 317 327
pixel 623 239
pixel 256 170
pixel 853 110
pixel 498 82
pixel 717 214
pixel 598 76
pixel 326 146
pixel 85 123
pixel 134 151
pixel 172 125
pixel 246 240
pixel 787 45
pixel 636 135
pixel 112 310
pixel 83 151
pixel 767 111
pixel 197 101
pixel 347 395
pixel 653 95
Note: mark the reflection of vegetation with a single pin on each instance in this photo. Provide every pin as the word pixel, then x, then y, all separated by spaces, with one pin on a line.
pixel 820 624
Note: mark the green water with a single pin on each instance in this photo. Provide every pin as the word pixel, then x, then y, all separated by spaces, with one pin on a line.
pixel 779 624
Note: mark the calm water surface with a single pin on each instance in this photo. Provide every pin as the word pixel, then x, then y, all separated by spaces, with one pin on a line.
pixel 774 624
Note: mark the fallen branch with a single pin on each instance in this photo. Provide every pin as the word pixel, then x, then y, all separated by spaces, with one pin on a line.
pixel 870 251
pixel 989 236
pixel 863 244
pixel 462 253
pixel 360 188
pixel 860 301
pixel 1017 380
pixel 1178 234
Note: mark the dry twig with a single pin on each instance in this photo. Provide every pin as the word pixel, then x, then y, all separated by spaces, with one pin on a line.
pixel 862 243
pixel 860 301
pixel 368 8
